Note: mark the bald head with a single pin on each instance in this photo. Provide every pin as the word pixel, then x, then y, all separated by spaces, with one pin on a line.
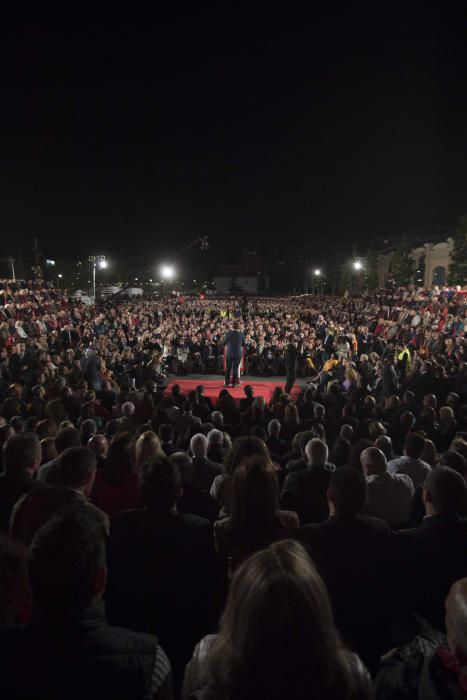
pixel 373 461
pixel 99 445
pixel 456 617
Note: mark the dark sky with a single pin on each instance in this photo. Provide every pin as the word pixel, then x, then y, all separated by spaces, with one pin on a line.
pixel 142 133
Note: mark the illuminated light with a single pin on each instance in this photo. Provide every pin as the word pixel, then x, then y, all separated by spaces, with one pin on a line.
pixel 103 264
pixel 50 262
pixel 317 273
pixel 167 272
pixel 357 265
pixel 60 276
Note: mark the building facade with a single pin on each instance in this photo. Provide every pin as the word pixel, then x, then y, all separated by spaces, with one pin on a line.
pixel 431 264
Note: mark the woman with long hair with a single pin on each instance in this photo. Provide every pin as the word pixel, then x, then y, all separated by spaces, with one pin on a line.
pixel 116 486
pixel 277 637
pixel 241 449
pixel 291 422
pixel 148 448
pixel 255 518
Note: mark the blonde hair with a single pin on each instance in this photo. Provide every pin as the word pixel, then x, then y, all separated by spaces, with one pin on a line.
pixel 148 447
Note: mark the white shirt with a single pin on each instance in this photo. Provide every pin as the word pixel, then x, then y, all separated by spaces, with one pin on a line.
pixel 390 497
pixel 417 469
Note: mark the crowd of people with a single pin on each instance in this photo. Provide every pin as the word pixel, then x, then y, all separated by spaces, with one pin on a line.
pixel 155 544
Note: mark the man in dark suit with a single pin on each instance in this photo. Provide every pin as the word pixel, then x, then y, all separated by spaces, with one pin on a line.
pixel 291 364
pixel 349 549
pixel 305 492
pixel 434 554
pixel 205 470
pixel 234 343
pixel 162 568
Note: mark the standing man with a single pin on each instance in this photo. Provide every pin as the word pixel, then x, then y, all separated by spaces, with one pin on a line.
pixel 234 342
pixel 291 363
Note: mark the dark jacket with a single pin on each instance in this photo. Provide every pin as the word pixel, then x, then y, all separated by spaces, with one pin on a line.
pixel 433 556
pixel 351 556
pixel 234 344
pixel 12 487
pixel 204 473
pixel 162 578
pixel 305 492
pixel 417 671
pixel 80 658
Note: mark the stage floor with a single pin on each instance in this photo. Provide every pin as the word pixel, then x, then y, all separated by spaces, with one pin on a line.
pixel 213 384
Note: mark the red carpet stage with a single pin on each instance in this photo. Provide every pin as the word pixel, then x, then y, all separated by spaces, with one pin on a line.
pixel 212 387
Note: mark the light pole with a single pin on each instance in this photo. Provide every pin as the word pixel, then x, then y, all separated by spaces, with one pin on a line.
pixel 167 274
pixel 357 266
pixel 100 262
pixel 59 277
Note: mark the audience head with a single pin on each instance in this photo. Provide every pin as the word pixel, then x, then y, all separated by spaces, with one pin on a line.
pixel 215 438
pixel 455 461
pixel 384 443
pixel 199 446
pixel 120 459
pixel 242 449
pixel 373 461
pixel 76 469
pixel 185 467
pixel 67 437
pixel 444 492
pixel 161 486
pixel 166 433
pixel 217 419
pixel 128 409
pixel 316 452
pixel 99 445
pixel 274 428
pixel 413 445
pixel 67 562
pixel 347 492
pixel 456 619
pixel 22 454
pixel 147 449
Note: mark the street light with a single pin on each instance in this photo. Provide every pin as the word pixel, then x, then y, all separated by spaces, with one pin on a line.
pixel 167 272
pixel 100 262
pixel 357 265
pixel 59 277
pixel 317 273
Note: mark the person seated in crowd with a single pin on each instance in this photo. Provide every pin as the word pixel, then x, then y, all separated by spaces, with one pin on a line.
pixel 277 637
pixel 100 446
pixel 166 437
pixel 242 448
pixel 389 495
pixel 433 554
pixel 433 665
pixel 277 446
pixel 299 463
pixel 411 463
pixel 255 519
pixel 21 460
pixel 304 492
pixel 162 568
pixel 204 469
pixel 147 449
pixel 14 586
pixel 76 471
pixel 65 438
pixel 128 422
pixel 116 486
pixel 216 450
pixel 67 575
pixel 350 549
pixel 186 424
pixel 192 499
pixel 88 429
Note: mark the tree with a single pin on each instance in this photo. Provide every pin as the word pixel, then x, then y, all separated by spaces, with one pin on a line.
pixel 458 264
pixel 402 265
pixel 371 270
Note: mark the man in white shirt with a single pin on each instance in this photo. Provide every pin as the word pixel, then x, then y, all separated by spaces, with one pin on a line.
pixel 411 464
pixel 389 495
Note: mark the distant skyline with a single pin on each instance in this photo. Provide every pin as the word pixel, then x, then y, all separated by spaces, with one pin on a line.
pixel 334 126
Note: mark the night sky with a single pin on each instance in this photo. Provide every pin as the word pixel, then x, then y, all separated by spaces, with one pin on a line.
pixel 144 132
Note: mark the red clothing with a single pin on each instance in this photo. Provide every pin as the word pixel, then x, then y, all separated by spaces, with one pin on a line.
pixel 113 499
